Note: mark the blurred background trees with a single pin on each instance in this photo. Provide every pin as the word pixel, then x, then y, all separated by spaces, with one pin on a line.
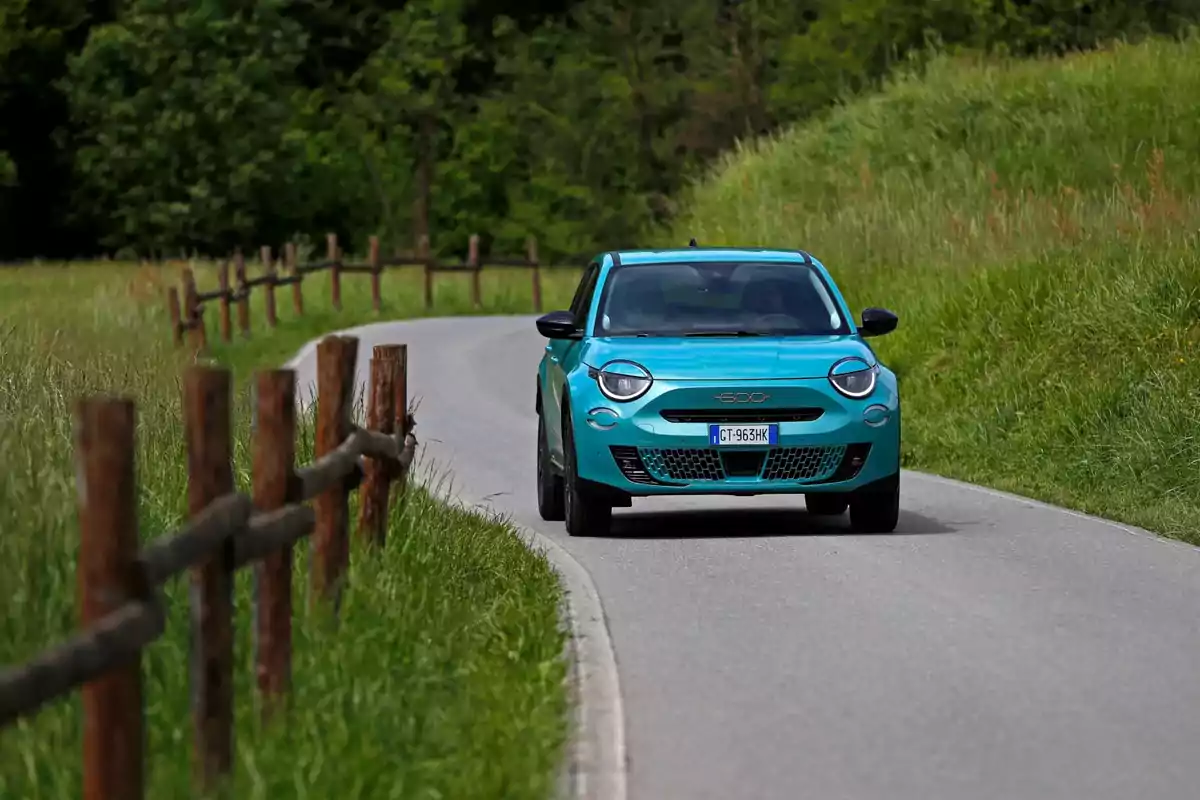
pixel 161 126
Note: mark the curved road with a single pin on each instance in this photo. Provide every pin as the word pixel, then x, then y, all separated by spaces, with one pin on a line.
pixel 990 648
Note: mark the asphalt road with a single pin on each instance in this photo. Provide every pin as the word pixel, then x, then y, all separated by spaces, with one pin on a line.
pixel 990 648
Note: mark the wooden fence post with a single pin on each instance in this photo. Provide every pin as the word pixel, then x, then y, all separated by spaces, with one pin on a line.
pixel 174 313
pixel 424 257
pixel 476 269
pixel 294 270
pixel 208 429
pixel 243 291
pixel 335 269
pixel 531 252
pixel 376 275
pixel 223 280
pixel 336 357
pixel 381 416
pixel 400 410
pixel 192 313
pixel 113 722
pixel 273 472
pixel 269 267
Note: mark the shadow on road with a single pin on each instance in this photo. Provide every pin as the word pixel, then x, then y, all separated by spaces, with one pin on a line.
pixel 728 524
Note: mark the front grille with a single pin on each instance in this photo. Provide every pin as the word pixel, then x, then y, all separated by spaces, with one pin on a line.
pixel 707 464
pixel 742 463
pixel 741 415
pixel 683 464
pixel 802 463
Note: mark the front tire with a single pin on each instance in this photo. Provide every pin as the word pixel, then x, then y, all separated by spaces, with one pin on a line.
pixel 549 485
pixel 586 513
pixel 878 509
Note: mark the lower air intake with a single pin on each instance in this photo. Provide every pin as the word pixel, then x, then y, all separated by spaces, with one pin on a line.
pixel 802 463
pixel 708 464
pixel 683 464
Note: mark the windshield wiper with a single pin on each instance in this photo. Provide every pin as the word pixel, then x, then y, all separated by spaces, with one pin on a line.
pixel 724 333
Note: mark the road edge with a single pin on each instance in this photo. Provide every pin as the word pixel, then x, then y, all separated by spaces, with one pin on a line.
pixel 1132 530
pixel 598 756
pixel 596 765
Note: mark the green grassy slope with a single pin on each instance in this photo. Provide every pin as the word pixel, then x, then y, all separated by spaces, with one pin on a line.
pixel 445 677
pixel 1035 225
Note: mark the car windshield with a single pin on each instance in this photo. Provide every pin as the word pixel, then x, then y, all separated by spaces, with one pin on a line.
pixel 738 298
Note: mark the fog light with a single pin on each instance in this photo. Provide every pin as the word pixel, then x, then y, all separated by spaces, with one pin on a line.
pixel 602 418
pixel 876 415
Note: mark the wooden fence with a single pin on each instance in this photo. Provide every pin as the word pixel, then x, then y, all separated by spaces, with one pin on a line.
pixel 120 608
pixel 187 309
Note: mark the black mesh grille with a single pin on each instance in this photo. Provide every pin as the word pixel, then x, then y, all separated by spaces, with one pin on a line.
pixel 684 464
pixel 710 464
pixel 741 415
pixel 802 463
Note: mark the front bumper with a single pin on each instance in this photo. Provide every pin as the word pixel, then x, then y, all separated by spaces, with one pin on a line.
pixel 659 444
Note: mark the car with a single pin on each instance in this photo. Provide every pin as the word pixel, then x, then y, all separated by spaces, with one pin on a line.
pixel 714 371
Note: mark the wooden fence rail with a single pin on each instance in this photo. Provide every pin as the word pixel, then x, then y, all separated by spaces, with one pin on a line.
pixel 186 304
pixel 121 611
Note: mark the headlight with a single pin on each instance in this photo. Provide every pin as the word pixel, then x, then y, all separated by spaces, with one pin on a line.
pixel 853 377
pixel 622 381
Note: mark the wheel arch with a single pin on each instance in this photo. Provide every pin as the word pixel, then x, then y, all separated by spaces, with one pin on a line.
pixel 565 407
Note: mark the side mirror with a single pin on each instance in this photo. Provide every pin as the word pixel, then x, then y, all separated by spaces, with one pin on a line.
pixel 558 325
pixel 877 322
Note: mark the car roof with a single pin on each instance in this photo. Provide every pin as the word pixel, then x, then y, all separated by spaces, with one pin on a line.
pixel 621 257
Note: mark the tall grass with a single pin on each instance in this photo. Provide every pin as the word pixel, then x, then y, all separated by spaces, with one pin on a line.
pixel 1035 224
pixel 445 675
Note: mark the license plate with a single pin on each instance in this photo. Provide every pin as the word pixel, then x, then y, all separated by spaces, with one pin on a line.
pixel 723 435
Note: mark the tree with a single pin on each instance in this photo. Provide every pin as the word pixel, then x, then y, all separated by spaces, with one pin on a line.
pixel 185 113
pixel 11 21
pixel 35 39
pixel 406 98
pixel 620 104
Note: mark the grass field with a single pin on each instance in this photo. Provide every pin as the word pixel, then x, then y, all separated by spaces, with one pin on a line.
pixel 1036 225
pixel 446 676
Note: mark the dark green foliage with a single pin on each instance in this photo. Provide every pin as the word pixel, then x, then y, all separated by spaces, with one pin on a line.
pixel 185 111
pixel 165 124
pixel 35 171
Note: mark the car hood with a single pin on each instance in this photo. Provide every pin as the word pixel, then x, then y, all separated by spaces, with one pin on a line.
pixel 728 358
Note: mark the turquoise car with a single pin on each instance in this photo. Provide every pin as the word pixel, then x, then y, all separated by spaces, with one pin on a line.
pixel 702 371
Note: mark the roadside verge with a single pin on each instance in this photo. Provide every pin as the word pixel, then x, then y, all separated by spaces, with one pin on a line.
pixel 596 764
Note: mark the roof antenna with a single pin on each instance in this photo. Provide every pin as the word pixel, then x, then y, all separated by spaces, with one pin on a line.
pixel 692 243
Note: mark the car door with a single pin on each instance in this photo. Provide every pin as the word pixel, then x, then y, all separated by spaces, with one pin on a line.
pixel 562 355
